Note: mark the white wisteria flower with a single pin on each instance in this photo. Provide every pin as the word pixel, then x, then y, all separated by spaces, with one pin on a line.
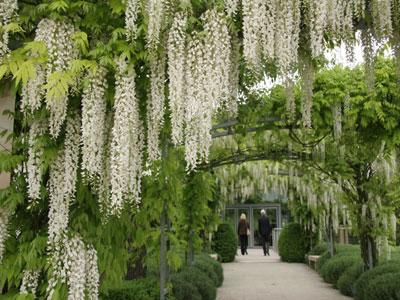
pixel 131 14
pixel 8 9
pixel 29 282
pixel 94 106
pixel 4 218
pixel 127 141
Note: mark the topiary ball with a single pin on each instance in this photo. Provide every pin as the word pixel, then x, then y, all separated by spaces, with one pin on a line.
pixel 225 243
pixel 336 266
pixel 385 286
pixel 293 243
pixel 182 289
pixel 346 282
pixel 215 264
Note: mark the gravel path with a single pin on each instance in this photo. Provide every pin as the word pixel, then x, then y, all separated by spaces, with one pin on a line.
pixel 259 277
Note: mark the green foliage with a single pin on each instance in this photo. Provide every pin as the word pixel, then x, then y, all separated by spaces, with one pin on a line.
pixel 198 279
pixel 225 243
pixel 184 290
pixel 347 280
pixel 293 243
pixel 323 259
pixel 385 286
pixel 362 284
pixel 208 270
pixel 215 264
pixel 318 249
pixel 138 289
pixel 336 266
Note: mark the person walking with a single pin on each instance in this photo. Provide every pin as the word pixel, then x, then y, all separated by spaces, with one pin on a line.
pixel 264 230
pixel 243 232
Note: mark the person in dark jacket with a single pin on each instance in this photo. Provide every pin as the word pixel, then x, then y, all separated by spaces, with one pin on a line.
pixel 243 231
pixel 264 230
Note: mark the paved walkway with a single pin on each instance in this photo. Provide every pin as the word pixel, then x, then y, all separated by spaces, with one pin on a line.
pixel 259 277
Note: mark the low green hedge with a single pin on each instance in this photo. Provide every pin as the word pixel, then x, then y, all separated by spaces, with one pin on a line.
pixel 318 249
pixel 225 243
pixel 215 264
pixel 208 270
pixel 293 243
pixel 336 266
pixel 346 282
pixel 138 289
pixel 386 286
pixel 198 279
pixel 362 284
pixel 184 290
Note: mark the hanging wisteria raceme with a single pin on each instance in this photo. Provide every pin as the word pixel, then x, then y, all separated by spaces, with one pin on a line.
pixel 317 16
pixel 57 36
pixel 337 120
pixel 176 75
pixel 64 169
pixel 4 218
pixel 155 12
pixel 7 10
pixel 92 273
pixel 131 14
pixel 307 71
pixel 382 18
pixel 287 30
pixel 94 106
pixel 290 99
pixel 253 20
pixel 155 108
pixel 33 92
pixel 127 141
pixel 231 7
pixel 34 163
pixel 74 264
pixel 29 282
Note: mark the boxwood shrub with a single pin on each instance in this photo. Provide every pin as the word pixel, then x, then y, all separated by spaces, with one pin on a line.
pixel 207 269
pixel 292 244
pixel 225 243
pixel 346 282
pixel 184 290
pixel 336 266
pixel 361 285
pixel 318 249
pixel 385 286
pixel 138 289
pixel 197 279
pixel 215 264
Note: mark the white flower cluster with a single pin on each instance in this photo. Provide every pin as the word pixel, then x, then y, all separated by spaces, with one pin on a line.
pixel 307 71
pixel 92 273
pixel 127 141
pixel 382 18
pixel 4 218
pixel 7 10
pixel 62 183
pixel 176 75
pixel 155 11
pixel 33 92
pixel 337 120
pixel 231 7
pixel 209 85
pixel 34 163
pixel 155 108
pixel 93 124
pixel 75 264
pixel 131 14
pixel 340 18
pixel 29 282
pixel 57 37
pixel 317 22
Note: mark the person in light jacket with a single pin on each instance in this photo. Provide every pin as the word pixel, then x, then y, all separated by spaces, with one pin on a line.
pixel 243 230
pixel 264 230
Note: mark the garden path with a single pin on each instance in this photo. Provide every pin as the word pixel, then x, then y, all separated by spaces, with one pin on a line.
pixel 259 277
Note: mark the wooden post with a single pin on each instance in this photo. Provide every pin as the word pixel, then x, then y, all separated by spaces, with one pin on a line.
pixel 7 103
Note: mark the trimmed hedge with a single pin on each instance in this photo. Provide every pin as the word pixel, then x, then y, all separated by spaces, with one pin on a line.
pixel 346 282
pixel 361 285
pixel 216 266
pixel 293 244
pixel 138 289
pixel 386 286
pixel 183 290
pixel 318 249
pixel 207 269
pixel 225 243
pixel 336 266
pixel 197 279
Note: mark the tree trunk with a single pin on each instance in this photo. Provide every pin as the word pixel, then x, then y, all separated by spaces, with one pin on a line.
pixel 369 249
pixel 191 248
pixel 163 252
pixel 331 232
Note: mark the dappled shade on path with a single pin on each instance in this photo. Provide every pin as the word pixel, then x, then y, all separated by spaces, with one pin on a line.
pixel 259 277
